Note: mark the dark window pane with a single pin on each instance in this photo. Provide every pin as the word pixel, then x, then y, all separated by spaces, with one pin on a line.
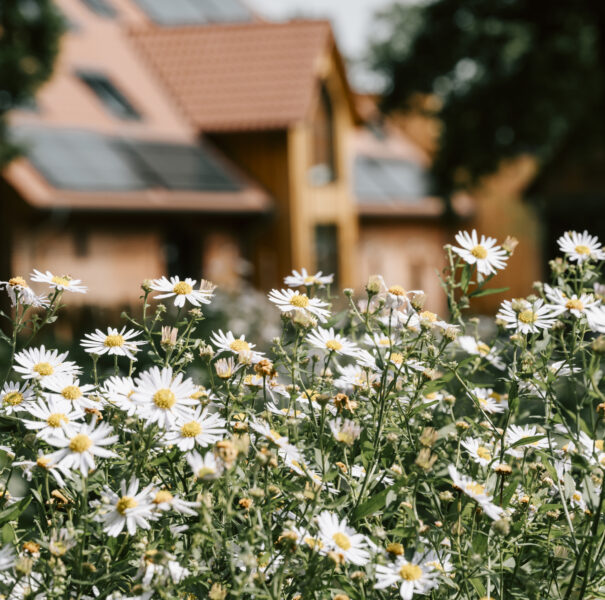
pixel 101 7
pixel 326 250
pixel 113 100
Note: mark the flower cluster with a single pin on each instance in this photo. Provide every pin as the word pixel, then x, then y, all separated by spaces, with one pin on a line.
pixel 382 453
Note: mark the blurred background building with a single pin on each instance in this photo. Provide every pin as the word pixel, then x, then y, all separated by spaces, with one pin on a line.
pixel 195 138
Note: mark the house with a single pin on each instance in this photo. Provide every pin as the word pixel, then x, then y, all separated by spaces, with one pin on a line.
pixel 189 137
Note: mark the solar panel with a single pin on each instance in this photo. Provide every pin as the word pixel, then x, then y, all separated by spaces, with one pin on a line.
pixel 195 12
pixel 88 161
pixel 183 167
pixel 379 179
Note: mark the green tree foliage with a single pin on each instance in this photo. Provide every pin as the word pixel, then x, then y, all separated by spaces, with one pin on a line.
pixel 29 43
pixel 514 76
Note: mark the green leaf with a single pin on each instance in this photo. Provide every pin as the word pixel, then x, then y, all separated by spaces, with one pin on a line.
pixel 527 440
pixel 375 504
pixel 479 293
pixel 8 514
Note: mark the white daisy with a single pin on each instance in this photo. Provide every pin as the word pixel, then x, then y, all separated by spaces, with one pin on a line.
pixel 66 387
pixel 585 305
pixel 483 252
pixel 516 433
pixel 19 292
pixel 207 467
pixel 354 376
pixel 479 451
pixel 345 431
pixel 476 491
pixel 163 500
pixel 226 367
pixel 15 397
pixel 490 401
pixel 253 380
pixel 528 317
pixel 264 429
pixel 289 301
pixel 229 343
pixel 581 246
pixel 196 427
pixel 163 396
pixel 120 391
pixel 130 509
pixel 115 342
pixel 336 536
pixel 162 571
pixel 40 363
pixel 64 282
pixel 44 464
pixel 304 278
pixel 54 418
pixel 592 447
pixel 182 290
pixel 472 346
pixel 78 450
pixel 328 340
pixel 412 577
pixel 289 412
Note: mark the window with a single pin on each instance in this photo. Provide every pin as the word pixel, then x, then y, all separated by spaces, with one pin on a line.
pixel 101 7
pixel 195 12
pixel 323 169
pixel 326 250
pixel 113 100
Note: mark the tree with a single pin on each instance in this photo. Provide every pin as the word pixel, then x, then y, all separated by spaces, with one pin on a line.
pixel 512 77
pixel 29 43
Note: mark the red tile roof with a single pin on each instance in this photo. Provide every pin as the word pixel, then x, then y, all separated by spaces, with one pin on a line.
pixel 239 77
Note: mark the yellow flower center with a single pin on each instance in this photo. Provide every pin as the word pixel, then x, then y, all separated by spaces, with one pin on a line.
pixel 65 281
pixel 80 443
pixel 43 369
pixel 164 398
pixel 342 540
pixel 345 437
pixel 204 471
pixel 479 251
pixel 577 497
pixel 574 304
pixel 428 315
pixel 334 345
pixel 125 503
pixel 581 249
pixel 475 488
pixel 13 398
pixel 397 290
pixel 299 300
pixel 310 280
pixel 431 396
pixel 182 288
pixel 482 348
pixel 599 445
pixel 191 429
pixel 239 346
pixel 397 358
pixel 410 572
pixel 384 342
pixel 71 392
pixel 314 543
pixel 43 461
pixel 113 341
pixel 162 496
pixel 56 419
pixel 13 281
pixel 484 453
pixel 528 316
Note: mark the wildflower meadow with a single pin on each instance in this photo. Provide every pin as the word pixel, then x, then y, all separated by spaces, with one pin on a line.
pixel 372 450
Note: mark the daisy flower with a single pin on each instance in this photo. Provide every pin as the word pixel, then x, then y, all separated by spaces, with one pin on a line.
pixel 164 397
pixel 64 282
pixel 476 491
pixel 114 342
pixel 483 252
pixel 412 577
pixel 490 401
pixel 354 376
pixel 162 570
pixel 196 427
pixel 66 387
pixel 164 500
pixel 119 391
pixel 263 428
pixel 7 558
pixel 289 301
pixel 15 397
pixel 225 367
pixel 54 418
pixel 516 433
pixel 229 343
pixel 182 290
pixel 130 508
pixel 290 412
pixel 528 317
pixel 207 467
pixel 472 346
pixel 326 339
pixel 336 536
pixel 303 278
pixel 78 451
pixel 581 246
pixel 40 363
pixel 345 431
pixel 19 291
pixel 585 305
pixel 478 450
pixel 44 464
